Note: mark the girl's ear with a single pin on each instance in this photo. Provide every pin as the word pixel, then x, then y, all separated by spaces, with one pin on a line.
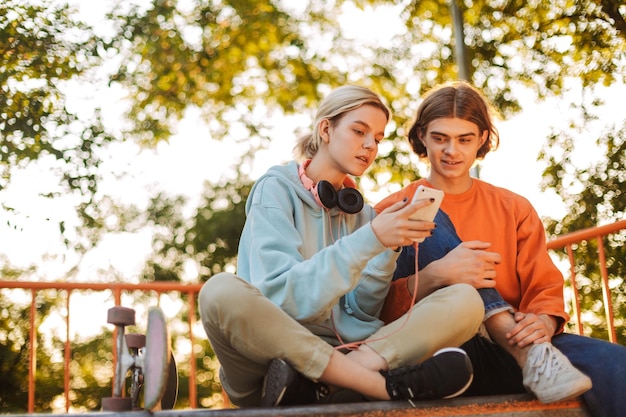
pixel 324 130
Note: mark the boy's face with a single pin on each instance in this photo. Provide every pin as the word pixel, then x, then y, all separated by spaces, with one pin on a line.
pixel 452 145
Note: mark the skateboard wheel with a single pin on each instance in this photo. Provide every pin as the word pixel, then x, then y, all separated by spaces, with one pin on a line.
pixel 135 340
pixel 121 316
pixel 117 404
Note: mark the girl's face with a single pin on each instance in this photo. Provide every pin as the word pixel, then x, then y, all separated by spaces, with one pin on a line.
pixel 452 145
pixel 352 144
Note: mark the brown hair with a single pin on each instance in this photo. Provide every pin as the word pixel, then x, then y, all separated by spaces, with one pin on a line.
pixel 454 100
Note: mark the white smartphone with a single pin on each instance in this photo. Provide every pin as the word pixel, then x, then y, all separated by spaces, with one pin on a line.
pixel 429 212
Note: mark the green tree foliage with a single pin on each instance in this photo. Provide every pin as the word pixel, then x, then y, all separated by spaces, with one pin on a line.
pixel 42 49
pixel 15 341
pixel 91 372
pixel 227 58
pixel 536 46
pixel 207 242
pixel 221 57
pixel 242 62
pixel 595 195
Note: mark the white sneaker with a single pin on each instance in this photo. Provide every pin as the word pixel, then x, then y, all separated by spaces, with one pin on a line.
pixel 550 375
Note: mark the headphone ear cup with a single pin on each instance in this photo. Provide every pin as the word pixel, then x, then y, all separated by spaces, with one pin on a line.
pixel 327 194
pixel 350 200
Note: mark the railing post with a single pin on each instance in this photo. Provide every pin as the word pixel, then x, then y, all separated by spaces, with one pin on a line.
pixel 68 353
pixel 572 277
pixel 32 357
pixel 588 234
pixel 117 296
pixel 606 291
pixel 193 392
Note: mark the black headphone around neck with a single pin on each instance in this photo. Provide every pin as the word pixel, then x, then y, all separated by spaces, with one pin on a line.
pixel 349 200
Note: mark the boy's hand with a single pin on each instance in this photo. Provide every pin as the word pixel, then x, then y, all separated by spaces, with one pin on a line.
pixel 531 328
pixel 470 263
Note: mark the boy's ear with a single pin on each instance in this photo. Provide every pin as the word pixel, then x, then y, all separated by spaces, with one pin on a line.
pixel 420 136
pixel 484 137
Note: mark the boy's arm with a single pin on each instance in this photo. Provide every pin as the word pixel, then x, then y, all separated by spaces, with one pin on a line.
pixel 400 297
pixel 398 301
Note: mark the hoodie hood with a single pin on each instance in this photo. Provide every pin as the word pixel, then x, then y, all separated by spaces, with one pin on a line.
pixel 288 175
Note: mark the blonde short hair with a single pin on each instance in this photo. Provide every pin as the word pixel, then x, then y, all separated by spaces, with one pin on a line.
pixel 333 108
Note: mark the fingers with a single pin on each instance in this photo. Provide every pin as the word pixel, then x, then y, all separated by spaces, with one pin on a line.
pixel 393 227
pixel 480 249
pixel 417 231
pixel 528 330
pixel 476 244
pixel 398 205
pixel 487 283
pixel 405 209
pixel 415 205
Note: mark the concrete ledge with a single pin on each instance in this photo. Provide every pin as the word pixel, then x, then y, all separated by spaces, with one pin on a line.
pixel 524 405
pixel 496 406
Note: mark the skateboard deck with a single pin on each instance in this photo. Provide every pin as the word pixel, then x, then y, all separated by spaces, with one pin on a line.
pixel 156 360
pixel 149 357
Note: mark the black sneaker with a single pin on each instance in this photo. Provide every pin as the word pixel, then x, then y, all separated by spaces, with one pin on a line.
pixel 447 374
pixel 283 385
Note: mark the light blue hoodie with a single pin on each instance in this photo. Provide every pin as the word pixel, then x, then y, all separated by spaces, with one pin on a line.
pixel 324 268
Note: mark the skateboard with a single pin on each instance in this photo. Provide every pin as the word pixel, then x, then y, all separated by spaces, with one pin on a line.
pixel 149 360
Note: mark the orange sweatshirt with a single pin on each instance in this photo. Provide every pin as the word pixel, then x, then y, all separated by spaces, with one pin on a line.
pixel 526 278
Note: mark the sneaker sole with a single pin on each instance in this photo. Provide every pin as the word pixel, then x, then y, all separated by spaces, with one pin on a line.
pixel 578 390
pixel 462 390
pixel 275 383
pixel 572 384
pixel 469 365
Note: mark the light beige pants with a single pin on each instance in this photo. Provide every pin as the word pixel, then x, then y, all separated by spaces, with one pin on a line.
pixel 247 330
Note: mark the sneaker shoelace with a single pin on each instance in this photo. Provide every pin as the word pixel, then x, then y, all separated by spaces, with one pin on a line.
pixel 309 392
pixel 321 392
pixel 547 363
pixel 402 382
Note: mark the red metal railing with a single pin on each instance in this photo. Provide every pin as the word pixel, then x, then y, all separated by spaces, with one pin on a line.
pixel 117 288
pixel 566 241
